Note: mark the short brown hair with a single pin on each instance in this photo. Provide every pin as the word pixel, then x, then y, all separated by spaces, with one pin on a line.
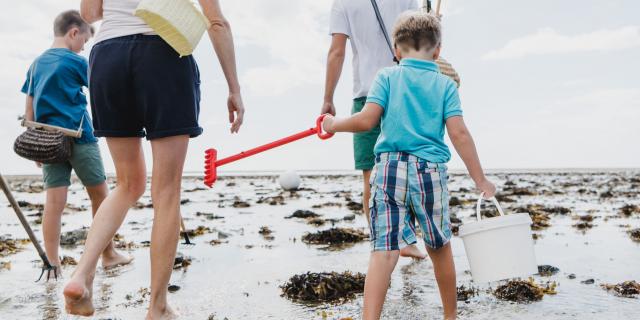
pixel 68 20
pixel 417 30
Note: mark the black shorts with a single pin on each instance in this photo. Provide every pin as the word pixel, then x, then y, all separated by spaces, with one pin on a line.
pixel 140 87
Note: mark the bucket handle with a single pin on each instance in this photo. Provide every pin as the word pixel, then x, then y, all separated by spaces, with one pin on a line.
pixel 495 202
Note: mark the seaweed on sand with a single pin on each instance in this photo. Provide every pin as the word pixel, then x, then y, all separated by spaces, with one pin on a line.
pixel 323 287
pixel 354 206
pixel 627 289
pixel 68 261
pixel 10 246
pixel 629 209
pixel 266 233
pixel 464 293
pixel 181 261
pixel 635 234
pixel 200 230
pixel 75 237
pixel 304 214
pixel 521 291
pixel 335 236
pixel 547 270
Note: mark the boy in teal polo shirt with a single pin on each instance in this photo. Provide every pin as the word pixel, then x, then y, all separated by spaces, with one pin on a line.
pixel 413 103
pixel 54 89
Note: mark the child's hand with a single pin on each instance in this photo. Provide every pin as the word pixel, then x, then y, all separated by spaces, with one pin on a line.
pixel 487 187
pixel 327 124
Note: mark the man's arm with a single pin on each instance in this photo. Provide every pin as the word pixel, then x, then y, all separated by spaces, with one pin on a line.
pixel 222 40
pixel 91 10
pixel 466 148
pixel 362 121
pixel 335 61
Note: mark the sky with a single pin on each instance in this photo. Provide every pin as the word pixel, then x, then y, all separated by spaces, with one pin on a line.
pixel 545 84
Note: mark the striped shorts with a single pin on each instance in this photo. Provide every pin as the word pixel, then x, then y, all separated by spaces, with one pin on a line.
pixel 406 189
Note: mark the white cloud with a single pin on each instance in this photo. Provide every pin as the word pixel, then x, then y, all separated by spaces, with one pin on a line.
pixel 549 41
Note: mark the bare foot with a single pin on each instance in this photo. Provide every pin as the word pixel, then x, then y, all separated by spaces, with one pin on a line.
pixel 78 299
pixel 166 314
pixel 411 251
pixel 115 259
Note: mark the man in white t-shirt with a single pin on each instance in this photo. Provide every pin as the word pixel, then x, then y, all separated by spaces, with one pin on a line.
pixel 356 21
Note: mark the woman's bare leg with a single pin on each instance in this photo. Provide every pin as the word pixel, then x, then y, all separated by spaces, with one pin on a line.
pixel 168 162
pixel 110 256
pixel 131 182
pixel 51 221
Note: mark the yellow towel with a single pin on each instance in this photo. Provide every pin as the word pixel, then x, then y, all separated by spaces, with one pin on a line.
pixel 178 22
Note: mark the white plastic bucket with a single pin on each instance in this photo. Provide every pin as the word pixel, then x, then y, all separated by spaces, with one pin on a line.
pixel 499 248
pixel 178 22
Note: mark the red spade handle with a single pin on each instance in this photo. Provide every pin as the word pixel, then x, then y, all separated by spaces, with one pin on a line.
pixel 309 132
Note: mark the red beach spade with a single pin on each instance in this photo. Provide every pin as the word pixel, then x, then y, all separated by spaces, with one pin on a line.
pixel 211 162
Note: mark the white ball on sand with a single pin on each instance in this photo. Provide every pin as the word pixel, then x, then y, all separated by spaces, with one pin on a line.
pixel 289 180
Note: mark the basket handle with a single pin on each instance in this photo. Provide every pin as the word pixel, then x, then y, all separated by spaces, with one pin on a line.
pixel 495 202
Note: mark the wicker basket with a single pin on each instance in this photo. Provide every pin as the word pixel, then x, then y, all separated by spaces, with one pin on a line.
pixel 178 22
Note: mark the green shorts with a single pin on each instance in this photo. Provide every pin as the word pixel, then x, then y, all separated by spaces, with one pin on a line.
pixel 85 161
pixel 364 142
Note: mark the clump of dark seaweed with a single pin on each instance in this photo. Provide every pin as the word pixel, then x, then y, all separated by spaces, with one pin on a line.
pixel 240 204
pixel 75 237
pixel 583 225
pixel 181 261
pixel 629 210
pixel 68 261
pixel 323 287
pixel 335 236
pixel 464 293
pixel 547 270
pixel 275 200
pixel 266 233
pixel 634 234
pixel 304 214
pixel 200 230
pixel 354 206
pixel 627 289
pixel 10 246
pixel 522 291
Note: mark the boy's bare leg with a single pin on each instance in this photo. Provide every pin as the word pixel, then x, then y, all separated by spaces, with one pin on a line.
pixel 168 161
pixel 381 265
pixel 110 257
pixel 56 199
pixel 131 182
pixel 445 271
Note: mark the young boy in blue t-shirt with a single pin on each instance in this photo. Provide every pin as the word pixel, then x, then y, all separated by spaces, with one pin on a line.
pixel 413 103
pixel 54 89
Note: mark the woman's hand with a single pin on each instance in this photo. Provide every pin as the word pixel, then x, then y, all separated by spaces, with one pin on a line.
pixel 236 111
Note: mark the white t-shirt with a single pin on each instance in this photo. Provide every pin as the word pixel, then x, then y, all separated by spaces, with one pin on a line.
pixel 357 20
pixel 118 20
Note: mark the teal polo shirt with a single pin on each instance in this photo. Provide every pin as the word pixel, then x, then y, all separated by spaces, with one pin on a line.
pixel 416 100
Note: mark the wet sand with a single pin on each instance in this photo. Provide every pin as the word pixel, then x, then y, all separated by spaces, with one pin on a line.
pixel 236 271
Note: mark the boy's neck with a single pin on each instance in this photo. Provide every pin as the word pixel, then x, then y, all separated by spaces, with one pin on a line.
pixel 418 55
pixel 60 43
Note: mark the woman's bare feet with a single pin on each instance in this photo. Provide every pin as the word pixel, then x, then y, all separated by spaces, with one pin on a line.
pixel 77 299
pixel 161 314
pixel 115 259
pixel 411 251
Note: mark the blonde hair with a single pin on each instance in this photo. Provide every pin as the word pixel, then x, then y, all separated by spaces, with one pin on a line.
pixel 417 30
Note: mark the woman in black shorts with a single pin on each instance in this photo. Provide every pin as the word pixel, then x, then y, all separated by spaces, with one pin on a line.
pixel 140 87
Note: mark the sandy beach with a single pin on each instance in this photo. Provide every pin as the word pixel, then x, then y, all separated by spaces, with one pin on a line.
pixel 585 224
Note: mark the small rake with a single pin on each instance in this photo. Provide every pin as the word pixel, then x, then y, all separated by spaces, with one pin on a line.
pixel 46 267
pixel 211 162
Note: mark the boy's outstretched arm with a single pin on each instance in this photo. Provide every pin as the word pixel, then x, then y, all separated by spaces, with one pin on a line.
pixel 91 10
pixel 364 120
pixel 466 148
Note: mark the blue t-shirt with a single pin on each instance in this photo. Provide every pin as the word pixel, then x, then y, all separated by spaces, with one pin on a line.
pixel 416 100
pixel 59 76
